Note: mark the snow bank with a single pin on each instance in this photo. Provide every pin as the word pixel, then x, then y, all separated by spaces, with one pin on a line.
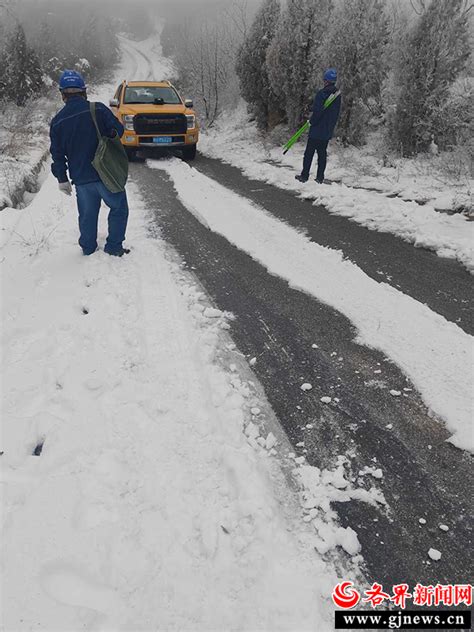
pixel 434 353
pixel 449 236
pixel 24 147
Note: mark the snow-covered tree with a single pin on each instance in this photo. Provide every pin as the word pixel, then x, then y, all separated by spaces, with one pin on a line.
pixel 358 38
pixel 399 26
pixel 21 75
pixel 204 50
pixel 97 43
pixel 295 58
pixel 45 42
pixel 251 65
pixel 438 50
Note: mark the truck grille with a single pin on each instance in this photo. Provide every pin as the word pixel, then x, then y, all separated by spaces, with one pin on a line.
pixel 160 124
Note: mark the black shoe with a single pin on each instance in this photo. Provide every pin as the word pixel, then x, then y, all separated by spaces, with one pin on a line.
pixel 301 178
pixel 119 253
pixel 319 181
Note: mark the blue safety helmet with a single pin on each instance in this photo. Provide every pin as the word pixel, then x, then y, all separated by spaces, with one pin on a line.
pixel 71 79
pixel 330 75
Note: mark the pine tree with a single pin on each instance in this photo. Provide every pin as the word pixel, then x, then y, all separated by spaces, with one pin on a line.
pixel 295 58
pixel 251 66
pixel 438 50
pixel 3 80
pixel 90 41
pixel 22 76
pixel 98 43
pixel 358 39
pixel 45 43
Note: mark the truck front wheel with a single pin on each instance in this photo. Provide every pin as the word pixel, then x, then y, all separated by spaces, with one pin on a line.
pixel 189 153
pixel 131 154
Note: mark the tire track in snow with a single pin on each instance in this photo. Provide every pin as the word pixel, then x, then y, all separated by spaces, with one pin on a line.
pixel 442 284
pixel 132 66
pixel 278 325
pixel 142 490
pixel 143 65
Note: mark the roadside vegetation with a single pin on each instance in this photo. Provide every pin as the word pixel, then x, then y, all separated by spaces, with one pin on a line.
pixel 405 70
pixel 37 41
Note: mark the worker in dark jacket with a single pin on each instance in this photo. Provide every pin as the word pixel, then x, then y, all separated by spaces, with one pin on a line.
pixel 326 109
pixel 73 145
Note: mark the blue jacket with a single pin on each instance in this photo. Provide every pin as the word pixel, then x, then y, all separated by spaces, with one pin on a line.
pixel 323 121
pixel 74 139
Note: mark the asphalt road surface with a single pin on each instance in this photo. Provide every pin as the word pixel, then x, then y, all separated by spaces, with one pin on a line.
pixel 424 476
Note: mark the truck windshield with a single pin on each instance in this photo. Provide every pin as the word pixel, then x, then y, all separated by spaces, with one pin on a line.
pixel 151 94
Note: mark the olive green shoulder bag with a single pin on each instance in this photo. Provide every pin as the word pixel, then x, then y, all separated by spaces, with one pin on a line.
pixel 110 160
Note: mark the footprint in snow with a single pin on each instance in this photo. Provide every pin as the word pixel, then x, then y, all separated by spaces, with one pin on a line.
pixel 94 515
pixel 208 536
pixel 38 448
pixel 72 587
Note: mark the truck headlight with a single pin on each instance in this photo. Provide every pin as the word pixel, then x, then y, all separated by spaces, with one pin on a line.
pixel 191 120
pixel 128 122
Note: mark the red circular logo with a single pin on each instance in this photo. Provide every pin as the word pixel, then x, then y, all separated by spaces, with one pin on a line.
pixel 344 596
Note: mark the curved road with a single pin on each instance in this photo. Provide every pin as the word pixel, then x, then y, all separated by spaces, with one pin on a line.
pixel 139 65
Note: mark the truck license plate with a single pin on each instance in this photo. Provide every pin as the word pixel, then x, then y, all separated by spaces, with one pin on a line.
pixel 162 140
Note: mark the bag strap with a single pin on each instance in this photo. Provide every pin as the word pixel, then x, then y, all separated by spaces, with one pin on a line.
pixel 94 118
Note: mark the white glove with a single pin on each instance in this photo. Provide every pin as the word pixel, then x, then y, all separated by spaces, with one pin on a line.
pixel 65 187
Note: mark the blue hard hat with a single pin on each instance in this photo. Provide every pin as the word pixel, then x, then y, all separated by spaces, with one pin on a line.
pixel 330 75
pixel 71 79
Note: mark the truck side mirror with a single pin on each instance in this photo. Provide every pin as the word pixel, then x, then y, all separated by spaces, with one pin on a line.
pixel 114 103
pixel 188 103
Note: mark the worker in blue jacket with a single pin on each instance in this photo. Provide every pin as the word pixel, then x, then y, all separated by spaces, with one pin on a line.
pixel 326 109
pixel 73 146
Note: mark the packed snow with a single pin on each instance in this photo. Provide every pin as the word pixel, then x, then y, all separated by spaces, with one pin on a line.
pixel 138 513
pixel 448 235
pixel 403 328
pixel 137 493
pixel 434 554
pixel 322 487
pixel 139 485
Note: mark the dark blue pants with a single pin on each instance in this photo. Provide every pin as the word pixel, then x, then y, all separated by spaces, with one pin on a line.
pixel 89 198
pixel 315 145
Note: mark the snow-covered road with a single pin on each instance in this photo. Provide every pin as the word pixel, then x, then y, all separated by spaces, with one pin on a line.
pixel 146 483
pixel 385 318
pixel 132 499
pixel 449 236
pixel 146 508
pixel 143 60
pixel 345 406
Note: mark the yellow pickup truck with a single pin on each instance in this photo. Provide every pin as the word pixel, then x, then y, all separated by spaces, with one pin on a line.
pixel 154 115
